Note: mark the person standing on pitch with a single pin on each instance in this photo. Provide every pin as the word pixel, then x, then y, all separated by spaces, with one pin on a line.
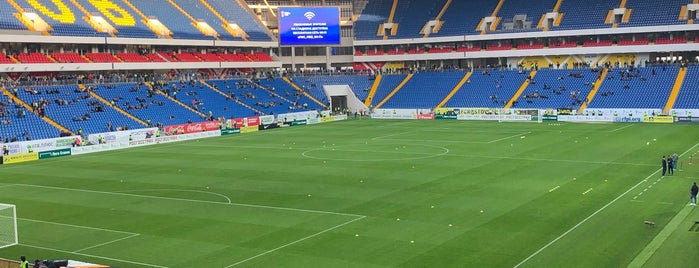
pixel 693 194
pixel 670 166
pixel 675 161
pixel 664 164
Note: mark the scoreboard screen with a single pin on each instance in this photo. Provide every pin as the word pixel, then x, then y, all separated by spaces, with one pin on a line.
pixel 309 26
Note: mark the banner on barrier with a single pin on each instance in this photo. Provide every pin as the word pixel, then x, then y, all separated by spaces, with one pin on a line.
pixel 585 118
pixel 687 119
pixel 424 116
pixel 247 122
pixel 54 153
pixel 297 116
pixel 340 117
pixel 312 121
pixel 327 119
pixel 19 158
pixel 39 145
pixel 299 122
pixel 123 136
pixel 245 130
pixel 192 128
pixel 266 119
pixel 493 117
pixel 662 119
pixel 548 117
pixel 230 131
pixel 627 119
pixel 445 116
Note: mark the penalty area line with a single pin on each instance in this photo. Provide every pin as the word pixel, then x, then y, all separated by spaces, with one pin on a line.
pixel 94 256
pixel 593 214
pixel 295 242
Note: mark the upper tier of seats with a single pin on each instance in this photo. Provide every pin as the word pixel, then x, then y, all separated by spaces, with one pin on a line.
pixel 462 17
pixel 102 57
pixel 128 18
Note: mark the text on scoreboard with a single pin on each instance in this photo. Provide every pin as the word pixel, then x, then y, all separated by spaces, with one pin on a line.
pixel 302 26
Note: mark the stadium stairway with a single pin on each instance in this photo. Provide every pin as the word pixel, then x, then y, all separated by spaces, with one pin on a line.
pixel 286 79
pixel 150 87
pixel 438 18
pixel 395 90
pixel 206 84
pixel 226 23
pixel 456 89
pixel 29 108
pixel 372 91
pixel 521 89
pixel 593 92
pixel 391 16
pixel 493 26
pixel 675 90
pixel 115 107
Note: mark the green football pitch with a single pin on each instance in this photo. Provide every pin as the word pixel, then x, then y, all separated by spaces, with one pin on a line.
pixel 370 193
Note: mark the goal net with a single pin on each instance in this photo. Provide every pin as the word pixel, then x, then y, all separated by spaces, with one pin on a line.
pixel 8 225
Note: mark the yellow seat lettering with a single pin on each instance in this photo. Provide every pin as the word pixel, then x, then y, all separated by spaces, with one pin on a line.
pixel 64 14
pixel 114 12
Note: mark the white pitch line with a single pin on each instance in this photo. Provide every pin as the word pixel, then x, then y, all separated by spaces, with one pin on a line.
pixel 593 214
pixel 78 226
pixel 228 199
pixel 193 200
pixel 586 192
pixel 107 243
pixel 294 242
pixel 617 129
pixel 509 137
pixel 95 256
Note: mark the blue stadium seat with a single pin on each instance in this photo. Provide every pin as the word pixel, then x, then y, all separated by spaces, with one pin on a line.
pixel 644 91
pixel 422 91
pixel 688 97
pixel 482 85
pixel 234 13
pixel 31 123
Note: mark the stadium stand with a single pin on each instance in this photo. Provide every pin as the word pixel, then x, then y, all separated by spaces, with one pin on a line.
pixel 367 25
pixel 649 12
pixel 688 97
pixel 360 84
pixel 68 57
pixel 200 12
pixel 140 102
pixel 74 109
pixel 235 13
pixel 388 83
pixel 526 12
pixel 13 125
pixel 422 91
pixel 101 57
pixel 34 57
pixel 637 88
pixel 558 89
pixel 462 17
pixel 180 25
pixel 584 14
pixel 488 88
pixel 411 16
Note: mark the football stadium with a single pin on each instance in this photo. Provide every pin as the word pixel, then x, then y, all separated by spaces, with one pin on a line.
pixel 349 133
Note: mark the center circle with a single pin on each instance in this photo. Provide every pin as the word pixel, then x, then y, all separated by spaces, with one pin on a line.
pixel 372 152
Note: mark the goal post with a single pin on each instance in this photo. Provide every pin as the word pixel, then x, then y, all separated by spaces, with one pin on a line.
pixel 8 225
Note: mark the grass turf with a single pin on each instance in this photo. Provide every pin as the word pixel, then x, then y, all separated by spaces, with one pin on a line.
pixel 365 193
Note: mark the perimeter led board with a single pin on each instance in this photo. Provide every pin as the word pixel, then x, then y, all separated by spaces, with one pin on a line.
pixel 309 26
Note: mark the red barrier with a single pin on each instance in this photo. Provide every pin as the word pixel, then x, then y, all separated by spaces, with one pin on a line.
pixel 192 128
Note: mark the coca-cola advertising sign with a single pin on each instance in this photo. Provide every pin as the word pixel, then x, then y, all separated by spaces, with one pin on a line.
pixel 192 128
